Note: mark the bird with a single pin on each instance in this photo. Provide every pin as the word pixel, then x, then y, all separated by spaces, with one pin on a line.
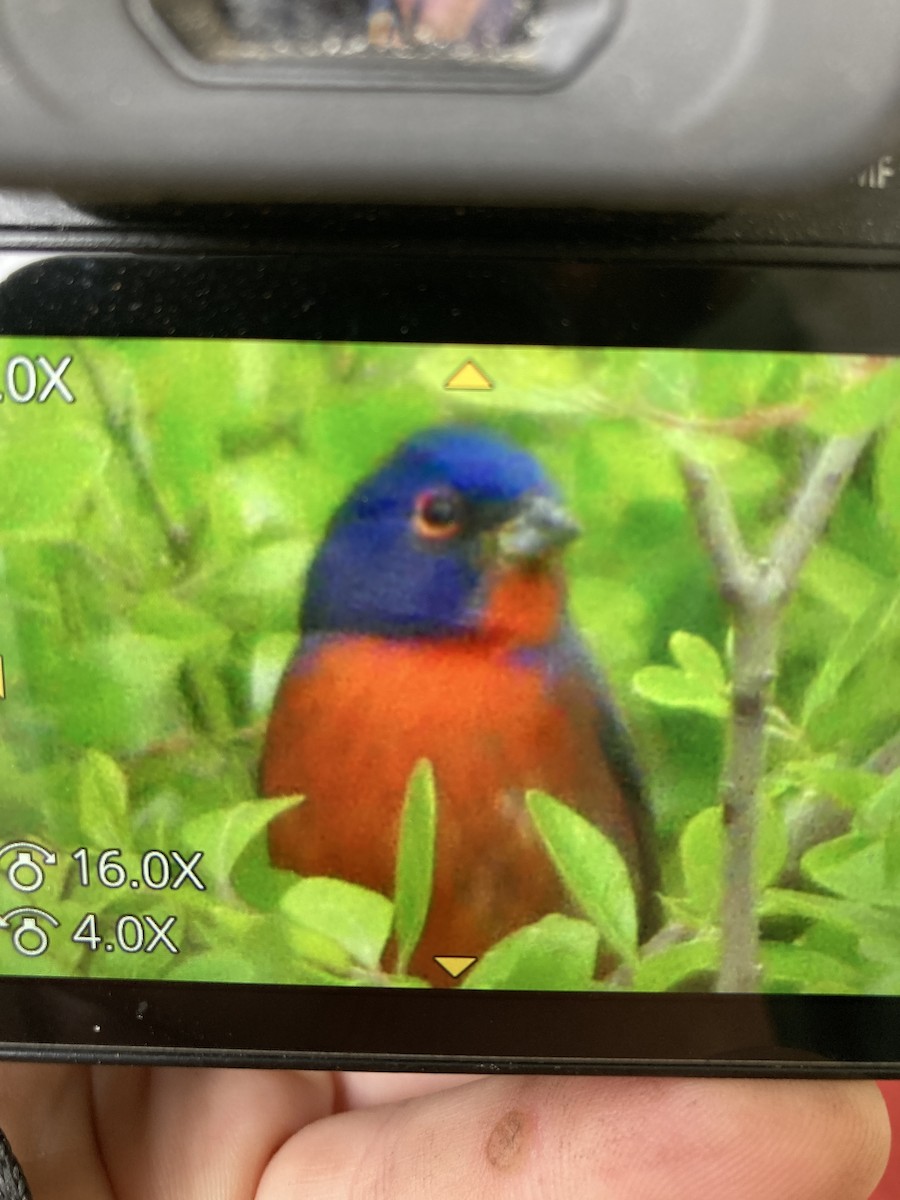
pixel 435 626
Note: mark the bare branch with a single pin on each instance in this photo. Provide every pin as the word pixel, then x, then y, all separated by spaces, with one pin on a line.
pixel 756 630
pixel 819 818
pixel 755 591
pixel 811 510
pixel 886 758
pixel 745 425
pixel 736 572
pixel 122 433
pixel 670 935
pixel 755 638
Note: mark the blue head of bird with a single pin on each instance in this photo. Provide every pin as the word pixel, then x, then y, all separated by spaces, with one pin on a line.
pixel 416 548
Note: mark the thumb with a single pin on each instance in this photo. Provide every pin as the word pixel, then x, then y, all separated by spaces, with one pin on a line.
pixel 597 1139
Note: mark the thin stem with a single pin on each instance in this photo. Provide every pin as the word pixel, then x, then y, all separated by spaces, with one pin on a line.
pixel 755 659
pixel 886 758
pixel 811 510
pixel 719 531
pixel 756 591
pixel 819 817
pixel 670 935
pixel 121 431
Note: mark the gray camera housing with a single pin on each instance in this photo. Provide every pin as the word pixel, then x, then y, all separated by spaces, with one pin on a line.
pixel 671 102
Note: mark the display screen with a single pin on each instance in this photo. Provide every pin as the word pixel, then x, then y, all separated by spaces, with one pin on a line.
pixel 425 45
pixel 505 44
pixel 337 28
pixel 434 666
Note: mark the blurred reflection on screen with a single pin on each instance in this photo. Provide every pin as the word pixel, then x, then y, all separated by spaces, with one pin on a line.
pixel 386 24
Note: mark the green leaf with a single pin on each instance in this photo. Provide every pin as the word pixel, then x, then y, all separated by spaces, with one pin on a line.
pixel 701 854
pixel 848 653
pixel 164 615
pixel 887 481
pixel 223 836
pixel 222 965
pixel 840 580
pixel 406 981
pixel 791 968
pixel 103 801
pixel 673 966
pixel 853 786
pixel 698 683
pixel 257 961
pixel 258 496
pixel 50 460
pixel 313 951
pixel 698 659
pixel 592 869
pixel 271 655
pixel 833 939
pixel 856 866
pixel 118 692
pixel 257 589
pixel 357 919
pixel 858 399
pixel 881 811
pixel 702 851
pixel 671 379
pixel 824 910
pixel 772 845
pixel 878 931
pixel 556 953
pixel 202 686
pixel 886 983
pixel 671 688
pixel 415 863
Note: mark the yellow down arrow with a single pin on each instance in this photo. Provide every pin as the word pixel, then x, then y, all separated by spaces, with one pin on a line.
pixel 2 679
pixel 453 965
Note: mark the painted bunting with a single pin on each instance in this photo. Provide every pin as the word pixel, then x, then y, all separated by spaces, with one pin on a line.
pixel 434 626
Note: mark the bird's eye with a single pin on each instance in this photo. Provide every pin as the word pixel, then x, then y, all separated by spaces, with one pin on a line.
pixel 438 513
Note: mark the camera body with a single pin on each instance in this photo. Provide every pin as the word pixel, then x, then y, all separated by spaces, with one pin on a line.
pixel 552 102
pixel 331 737
pixel 471 289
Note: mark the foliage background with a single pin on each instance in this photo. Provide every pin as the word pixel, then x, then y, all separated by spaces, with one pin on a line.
pixel 153 540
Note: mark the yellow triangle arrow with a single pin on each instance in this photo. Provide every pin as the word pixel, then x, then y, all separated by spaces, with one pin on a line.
pixel 469 378
pixel 454 966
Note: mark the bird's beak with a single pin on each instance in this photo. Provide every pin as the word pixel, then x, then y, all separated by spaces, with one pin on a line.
pixel 540 526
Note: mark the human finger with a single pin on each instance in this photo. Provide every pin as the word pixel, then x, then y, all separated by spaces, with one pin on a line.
pixel 45 1112
pixel 199 1133
pixel 596 1139
pixel 362 1089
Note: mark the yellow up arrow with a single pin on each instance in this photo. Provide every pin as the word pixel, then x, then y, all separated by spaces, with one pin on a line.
pixel 469 378
pixel 454 966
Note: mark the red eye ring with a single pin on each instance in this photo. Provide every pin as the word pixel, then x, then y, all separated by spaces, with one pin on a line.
pixel 438 513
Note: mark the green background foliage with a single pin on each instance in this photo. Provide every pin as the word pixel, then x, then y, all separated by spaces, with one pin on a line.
pixel 153 542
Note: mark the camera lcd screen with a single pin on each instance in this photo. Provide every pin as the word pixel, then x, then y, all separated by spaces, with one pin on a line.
pixel 490 45
pixel 480 668
pixel 265 29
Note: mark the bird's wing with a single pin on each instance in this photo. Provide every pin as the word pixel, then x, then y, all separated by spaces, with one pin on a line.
pixel 619 750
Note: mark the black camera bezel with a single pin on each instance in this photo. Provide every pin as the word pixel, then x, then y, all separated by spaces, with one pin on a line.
pixel 427 294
